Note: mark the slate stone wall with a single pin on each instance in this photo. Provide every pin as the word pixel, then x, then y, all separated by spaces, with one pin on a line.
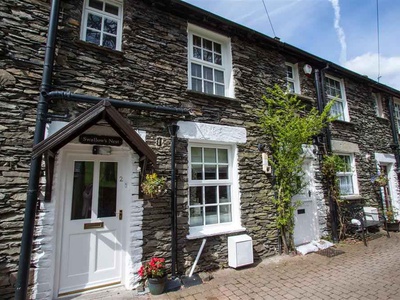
pixel 152 68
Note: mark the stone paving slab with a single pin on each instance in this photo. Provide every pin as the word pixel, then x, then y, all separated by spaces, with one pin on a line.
pixel 360 272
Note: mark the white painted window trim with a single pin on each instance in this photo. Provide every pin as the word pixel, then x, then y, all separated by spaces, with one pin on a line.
pixel 343 100
pixel 296 79
pixel 353 173
pixel 378 105
pixel 86 9
pixel 221 228
pixel 396 108
pixel 226 56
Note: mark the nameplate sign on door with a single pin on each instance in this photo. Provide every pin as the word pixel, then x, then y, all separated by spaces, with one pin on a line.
pixel 100 140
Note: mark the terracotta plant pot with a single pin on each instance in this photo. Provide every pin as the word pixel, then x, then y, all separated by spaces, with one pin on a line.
pixel 157 285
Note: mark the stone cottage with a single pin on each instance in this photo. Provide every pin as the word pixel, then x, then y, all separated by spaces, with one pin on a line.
pixel 140 85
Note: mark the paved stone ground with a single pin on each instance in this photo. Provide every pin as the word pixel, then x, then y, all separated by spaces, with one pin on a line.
pixel 360 272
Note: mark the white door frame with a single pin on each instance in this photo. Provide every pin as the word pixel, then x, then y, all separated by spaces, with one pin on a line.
pixel 390 161
pixel 311 188
pixel 59 189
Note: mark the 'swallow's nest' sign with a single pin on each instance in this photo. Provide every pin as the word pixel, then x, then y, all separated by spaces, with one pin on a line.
pixel 100 140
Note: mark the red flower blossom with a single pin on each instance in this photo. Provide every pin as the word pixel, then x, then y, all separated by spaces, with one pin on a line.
pixel 153 269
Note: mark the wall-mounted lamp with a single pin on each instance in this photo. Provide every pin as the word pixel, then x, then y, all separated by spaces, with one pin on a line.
pixel 307 69
pixel 101 150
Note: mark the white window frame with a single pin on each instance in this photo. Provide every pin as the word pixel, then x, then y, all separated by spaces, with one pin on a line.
pixel 378 105
pixel 226 66
pixel 396 112
pixel 233 179
pixel 341 100
pixel 295 80
pixel 87 9
pixel 352 173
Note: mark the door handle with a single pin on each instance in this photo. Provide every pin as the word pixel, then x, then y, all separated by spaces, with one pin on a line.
pixel 120 214
pixel 309 193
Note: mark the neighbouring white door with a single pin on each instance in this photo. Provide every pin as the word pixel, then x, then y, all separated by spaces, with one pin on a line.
pixel 305 215
pixel 91 249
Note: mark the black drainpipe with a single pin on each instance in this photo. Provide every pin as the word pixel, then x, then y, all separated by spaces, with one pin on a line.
pixel 68 96
pixel 323 102
pixel 21 286
pixel 173 129
pixel 395 135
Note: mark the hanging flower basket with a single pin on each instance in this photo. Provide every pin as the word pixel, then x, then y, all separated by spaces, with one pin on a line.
pixel 153 185
pixel 381 180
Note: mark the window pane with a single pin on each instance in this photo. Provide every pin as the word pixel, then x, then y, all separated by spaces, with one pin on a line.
pixel 217 48
pixel 196 154
pixel 94 21
pixel 93 37
pixel 82 190
pixel 208 87
pixel 223 172
pixel 196 70
pixel 196 216
pixel 110 26
pixel 208 73
pixel 207 44
pixel 337 110
pixel 218 59
pixel 210 155
pixel 207 56
pixel 196 195
pixel 223 156
pixel 196 85
pixel 290 86
pixel 197 41
pixel 224 194
pixel 346 185
pixel 96 4
pixel 219 90
pixel 197 172
pixel 225 213
pixel 289 72
pixel 108 189
pixel 196 52
pixel 112 9
pixel 219 76
pixel 210 172
pixel 109 41
pixel 211 215
pixel 210 194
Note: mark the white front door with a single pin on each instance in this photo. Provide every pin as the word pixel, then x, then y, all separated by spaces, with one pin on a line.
pixel 91 249
pixel 305 215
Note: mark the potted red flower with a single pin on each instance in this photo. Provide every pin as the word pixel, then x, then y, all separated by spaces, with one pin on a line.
pixel 155 273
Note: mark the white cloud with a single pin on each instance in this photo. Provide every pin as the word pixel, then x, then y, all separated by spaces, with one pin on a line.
pixel 367 64
pixel 339 31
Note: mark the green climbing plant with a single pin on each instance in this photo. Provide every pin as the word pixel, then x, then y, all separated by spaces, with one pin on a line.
pixel 288 125
pixel 330 166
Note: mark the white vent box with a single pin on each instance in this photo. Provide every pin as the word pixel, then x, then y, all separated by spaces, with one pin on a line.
pixel 240 251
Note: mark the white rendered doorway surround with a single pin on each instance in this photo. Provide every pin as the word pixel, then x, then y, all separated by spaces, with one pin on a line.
pixel 94 208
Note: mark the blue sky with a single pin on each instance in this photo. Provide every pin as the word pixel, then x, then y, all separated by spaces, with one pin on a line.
pixel 341 31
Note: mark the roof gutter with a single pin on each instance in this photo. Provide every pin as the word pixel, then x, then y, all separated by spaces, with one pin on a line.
pixel 21 285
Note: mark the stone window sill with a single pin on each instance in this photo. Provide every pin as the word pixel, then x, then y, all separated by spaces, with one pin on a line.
pixel 92 46
pixel 303 97
pixel 352 197
pixel 204 95
pixel 208 231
